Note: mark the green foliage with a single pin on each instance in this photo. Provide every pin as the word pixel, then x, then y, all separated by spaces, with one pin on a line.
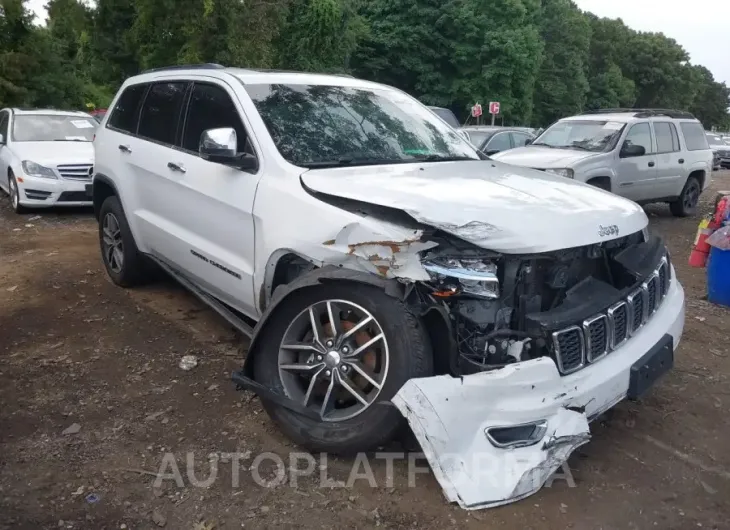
pixel 542 59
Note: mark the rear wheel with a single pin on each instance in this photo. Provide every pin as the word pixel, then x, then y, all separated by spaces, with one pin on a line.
pixel 14 195
pixel 688 200
pixel 342 350
pixel 123 262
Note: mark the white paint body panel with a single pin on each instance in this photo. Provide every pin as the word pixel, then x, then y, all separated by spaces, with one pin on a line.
pixel 449 415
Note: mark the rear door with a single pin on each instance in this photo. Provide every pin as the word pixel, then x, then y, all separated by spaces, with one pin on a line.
pixel 4 149
pixel 207 207
pixel 636 175
pixel 670 163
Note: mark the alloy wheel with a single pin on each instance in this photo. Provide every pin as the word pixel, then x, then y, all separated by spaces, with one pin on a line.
pixel 14 195
pixel 112 243
pixel 334 359
pixel 691 196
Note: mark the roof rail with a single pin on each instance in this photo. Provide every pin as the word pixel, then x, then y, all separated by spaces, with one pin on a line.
pixel 199 66
pixel 646 113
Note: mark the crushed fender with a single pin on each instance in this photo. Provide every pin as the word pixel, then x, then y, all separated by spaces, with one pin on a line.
pixel 387 254
pixel 450 424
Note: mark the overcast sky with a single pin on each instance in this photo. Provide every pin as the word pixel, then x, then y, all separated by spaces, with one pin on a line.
pixel 698 25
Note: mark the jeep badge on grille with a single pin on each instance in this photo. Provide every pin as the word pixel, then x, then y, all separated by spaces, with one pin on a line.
pixel 610 230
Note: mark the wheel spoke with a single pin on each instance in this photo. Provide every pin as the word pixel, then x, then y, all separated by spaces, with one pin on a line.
pixel 316 324
pixel 118 257
pixel 357 327
pixel 302 368
pixel 110 256
pixel 333 313
pixel 351 389
pixel 328 399
pixel 365 346
pixel 364 372
pixel 312 383
pixel 303 346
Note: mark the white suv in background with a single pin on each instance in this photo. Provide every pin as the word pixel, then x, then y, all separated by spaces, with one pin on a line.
pixel 384 261
pixel 646 155
pixel 46 157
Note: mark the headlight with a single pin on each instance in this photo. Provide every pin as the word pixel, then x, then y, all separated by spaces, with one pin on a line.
pixel 475 277
pixel 566 172
pixel 37 170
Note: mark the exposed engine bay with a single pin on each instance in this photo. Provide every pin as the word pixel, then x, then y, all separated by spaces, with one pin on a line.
pixel 503 309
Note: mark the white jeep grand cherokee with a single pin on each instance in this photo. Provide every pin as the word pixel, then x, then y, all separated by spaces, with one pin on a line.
pixel 383 267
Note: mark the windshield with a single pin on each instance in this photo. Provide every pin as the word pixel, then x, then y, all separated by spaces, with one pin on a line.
pixel 320 126
pixel 585 135
pixel 53 127
pixel 714 139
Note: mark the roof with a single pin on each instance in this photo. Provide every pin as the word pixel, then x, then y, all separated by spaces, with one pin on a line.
pixel 46 112
pixel 252 75
pixel 629 114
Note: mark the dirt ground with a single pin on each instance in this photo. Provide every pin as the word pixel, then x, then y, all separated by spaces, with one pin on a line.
pixel 75 349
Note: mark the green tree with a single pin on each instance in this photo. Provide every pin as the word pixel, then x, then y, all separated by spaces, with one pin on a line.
pixel 563 77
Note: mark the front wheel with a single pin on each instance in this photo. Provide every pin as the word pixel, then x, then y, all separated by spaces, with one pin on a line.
pixel 342 350
pixel 688 200
pixel 14 195
pixel 123 262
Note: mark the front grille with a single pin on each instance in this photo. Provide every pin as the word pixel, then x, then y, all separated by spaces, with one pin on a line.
pixel 570 349
pixel 618 320
pixel 76 171
pixel 575 346
pixel 74 196
pixel 596 332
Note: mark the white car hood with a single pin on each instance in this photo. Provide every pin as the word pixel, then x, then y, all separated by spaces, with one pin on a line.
pixel 542 157
pixel 493 205
pixel 54 153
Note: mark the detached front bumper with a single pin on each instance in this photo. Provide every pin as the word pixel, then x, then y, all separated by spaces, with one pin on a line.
pixel 451 416
pixel 42 192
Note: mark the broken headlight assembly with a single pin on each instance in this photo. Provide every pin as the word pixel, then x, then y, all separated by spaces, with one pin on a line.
pixel 474 277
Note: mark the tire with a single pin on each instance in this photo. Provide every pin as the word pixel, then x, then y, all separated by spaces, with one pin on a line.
pixel 406 347
pixel 126 266
pixel 686 204
pixel 14 194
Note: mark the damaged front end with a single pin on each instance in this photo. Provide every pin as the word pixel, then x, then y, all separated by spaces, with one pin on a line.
pixel 526 332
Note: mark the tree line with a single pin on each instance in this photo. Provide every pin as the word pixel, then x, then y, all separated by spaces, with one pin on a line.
pixel 542 59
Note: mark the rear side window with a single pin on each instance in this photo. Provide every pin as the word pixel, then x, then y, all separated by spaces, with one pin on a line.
pixel 161 112
pixel 694 136
pixel 666 138
pixel 210 107
pixel 126 111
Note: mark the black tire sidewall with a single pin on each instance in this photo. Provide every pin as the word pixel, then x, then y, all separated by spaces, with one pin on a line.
pixel 409 352
pixel 19 208
pixel 678 208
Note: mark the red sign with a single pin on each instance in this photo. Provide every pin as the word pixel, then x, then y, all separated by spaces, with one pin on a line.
pixel 476 110
pixel 494 107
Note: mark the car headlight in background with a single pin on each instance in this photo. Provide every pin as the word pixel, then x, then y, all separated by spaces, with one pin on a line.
pixel 563 172
pixel 473 276
pixel 36 170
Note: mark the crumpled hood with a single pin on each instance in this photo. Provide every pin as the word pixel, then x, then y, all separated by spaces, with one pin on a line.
pixel 493 205
pixel 542 157
pixel 52 154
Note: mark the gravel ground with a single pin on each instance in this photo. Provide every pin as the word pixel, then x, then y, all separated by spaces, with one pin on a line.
pixel 92 399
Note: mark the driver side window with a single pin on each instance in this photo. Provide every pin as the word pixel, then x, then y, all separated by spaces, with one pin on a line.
pixel 640 134
pixel 211 107
pixel 4 120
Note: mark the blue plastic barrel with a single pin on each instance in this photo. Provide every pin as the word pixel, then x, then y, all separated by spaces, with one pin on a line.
pixel 718 277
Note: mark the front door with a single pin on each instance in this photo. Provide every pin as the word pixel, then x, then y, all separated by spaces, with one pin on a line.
pixel 208 207
pixel 636 175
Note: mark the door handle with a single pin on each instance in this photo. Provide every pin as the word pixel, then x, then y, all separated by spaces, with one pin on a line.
pixel 124 148
pixel 176 167
pixel 651 164
pixel 681 160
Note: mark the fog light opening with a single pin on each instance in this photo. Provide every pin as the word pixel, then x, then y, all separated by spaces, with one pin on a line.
pixel 523 435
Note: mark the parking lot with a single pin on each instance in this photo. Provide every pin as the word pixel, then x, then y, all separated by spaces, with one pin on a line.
pixel 75 349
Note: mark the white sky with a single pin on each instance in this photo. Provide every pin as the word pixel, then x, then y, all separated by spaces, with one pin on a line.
pixel 698 25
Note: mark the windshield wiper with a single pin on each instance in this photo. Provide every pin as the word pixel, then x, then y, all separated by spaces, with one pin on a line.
pixel 582 147
pixel 350 161
pixel 443 158
pixel 542 145
pixel 70 140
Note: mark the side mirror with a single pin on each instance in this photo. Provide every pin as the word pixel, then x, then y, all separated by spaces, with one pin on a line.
pixel 529 141
pixel 491 152
pixel 221 146
pixel 631 150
